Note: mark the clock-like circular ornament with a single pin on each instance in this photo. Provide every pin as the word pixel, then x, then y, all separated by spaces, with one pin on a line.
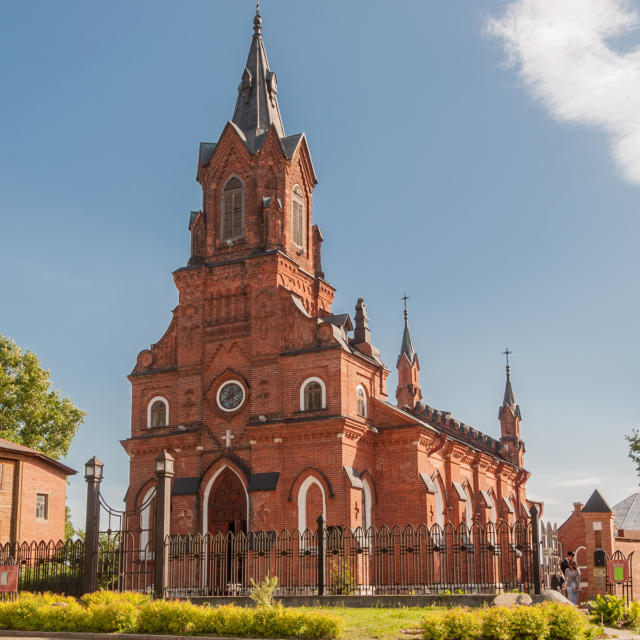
pixel 231 395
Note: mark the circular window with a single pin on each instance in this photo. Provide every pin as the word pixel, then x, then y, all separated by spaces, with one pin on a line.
pixel 230 395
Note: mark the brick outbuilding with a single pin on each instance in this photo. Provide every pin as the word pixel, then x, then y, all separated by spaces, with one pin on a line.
pixel 275 407
pixel 33 491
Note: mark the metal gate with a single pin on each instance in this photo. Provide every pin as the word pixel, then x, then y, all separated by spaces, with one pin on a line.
pixel 125 548
pixel 551 552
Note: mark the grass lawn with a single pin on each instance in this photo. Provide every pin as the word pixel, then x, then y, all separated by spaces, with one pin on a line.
pixel 377 624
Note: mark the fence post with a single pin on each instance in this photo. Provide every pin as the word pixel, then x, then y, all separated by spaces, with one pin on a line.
pixel 535 543
pixel 93 477
pixel 164 473
pixel 321 553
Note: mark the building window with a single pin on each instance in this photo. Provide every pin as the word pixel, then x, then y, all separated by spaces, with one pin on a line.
pixel 232 210
pixel 158 412
pixel 42 506
pixel 362 402
pixel 297 217
pixel 313 395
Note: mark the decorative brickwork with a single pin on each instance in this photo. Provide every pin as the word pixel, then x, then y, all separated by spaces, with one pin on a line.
pixel 253 323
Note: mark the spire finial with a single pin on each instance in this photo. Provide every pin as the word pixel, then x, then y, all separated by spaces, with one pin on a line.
pixel 507 353
pixel 257 21
pixel 405 297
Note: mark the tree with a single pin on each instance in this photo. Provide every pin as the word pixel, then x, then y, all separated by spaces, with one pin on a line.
pixel 633 439
pixel 31 412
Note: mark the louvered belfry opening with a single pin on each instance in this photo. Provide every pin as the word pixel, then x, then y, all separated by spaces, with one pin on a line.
pixel 298 216
pixel 232 210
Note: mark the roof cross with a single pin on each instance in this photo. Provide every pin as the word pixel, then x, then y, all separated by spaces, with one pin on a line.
pixel 404 298
pixel 507 353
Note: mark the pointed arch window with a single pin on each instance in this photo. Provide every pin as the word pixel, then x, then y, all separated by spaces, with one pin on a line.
pixel 298 216
pixel 232 210
pixel 361 398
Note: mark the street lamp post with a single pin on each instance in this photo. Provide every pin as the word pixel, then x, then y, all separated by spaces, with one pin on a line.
pixel 93 477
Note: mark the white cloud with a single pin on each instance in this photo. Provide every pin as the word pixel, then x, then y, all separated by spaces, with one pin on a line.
pixel 579 482
pixel 563 52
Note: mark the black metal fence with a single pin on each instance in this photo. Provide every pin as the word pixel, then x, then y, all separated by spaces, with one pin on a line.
pixel 339 561
pixel 47 566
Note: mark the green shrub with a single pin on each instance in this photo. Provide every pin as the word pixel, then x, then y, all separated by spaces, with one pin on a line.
pixel 566 623
pixel 462 624
pixel 110 612
pixel 528 623
pixel 634 615
pixel 540 622
pixel 262 594
pixel 495 623
pixel 608 609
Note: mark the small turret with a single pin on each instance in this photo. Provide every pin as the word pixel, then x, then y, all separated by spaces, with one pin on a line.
pixel 509 416
pixel 408 391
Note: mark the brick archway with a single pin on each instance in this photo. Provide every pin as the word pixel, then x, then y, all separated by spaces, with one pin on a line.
pixel 227 504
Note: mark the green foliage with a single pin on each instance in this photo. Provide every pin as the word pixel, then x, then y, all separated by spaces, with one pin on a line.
pixel 69 531
pixel 528 623
pixel 340 581
pixel 262 594
pixel 634 615
pixel 633 439
pixel 548 621
pixel 112 612
pixel 565 623
pixel 608 609
pixel 31 412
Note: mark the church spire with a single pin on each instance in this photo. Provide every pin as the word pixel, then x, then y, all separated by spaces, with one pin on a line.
pixel 509 399
pixel 406 348
pixel 509 416
pixel 408 392
pixel 257 103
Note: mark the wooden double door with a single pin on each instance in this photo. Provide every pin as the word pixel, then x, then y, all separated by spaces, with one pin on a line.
pixel 227 514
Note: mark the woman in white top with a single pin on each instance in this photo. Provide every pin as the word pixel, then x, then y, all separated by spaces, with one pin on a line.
pixel 572 582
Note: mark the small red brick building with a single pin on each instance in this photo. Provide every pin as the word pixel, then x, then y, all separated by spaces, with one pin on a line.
pixel 274 407
pixel 33 490
pixel 595 527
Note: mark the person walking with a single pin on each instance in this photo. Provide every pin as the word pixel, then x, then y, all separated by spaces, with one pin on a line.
pixel 572 582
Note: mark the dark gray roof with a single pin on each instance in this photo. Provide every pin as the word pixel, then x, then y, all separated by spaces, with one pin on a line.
pixel 596 504
pixel 185 486
pixel 406 348
pixel 263 481
pixel 257 104
pixel 509 399
pixel 206 151
pixel 340 320
pixel 628 513
pixel 290 144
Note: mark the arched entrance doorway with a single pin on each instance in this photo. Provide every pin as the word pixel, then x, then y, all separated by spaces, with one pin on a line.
pixel 227 509
pixel 227 517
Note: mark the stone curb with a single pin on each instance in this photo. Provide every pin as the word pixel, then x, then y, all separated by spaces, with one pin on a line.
pixel 9 633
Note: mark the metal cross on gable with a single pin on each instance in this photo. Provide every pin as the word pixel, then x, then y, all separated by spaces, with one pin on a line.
pixel 507 353
pixel 228 437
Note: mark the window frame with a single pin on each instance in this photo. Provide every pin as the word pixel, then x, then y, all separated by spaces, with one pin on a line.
pixel 46 507
pixel 297 197
pixel 303 387
pixel 360 389
pixel 233 237
pixel 166 408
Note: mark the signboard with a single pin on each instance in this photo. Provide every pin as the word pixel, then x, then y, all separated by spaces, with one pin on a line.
pixel 618 570
pixel 8 578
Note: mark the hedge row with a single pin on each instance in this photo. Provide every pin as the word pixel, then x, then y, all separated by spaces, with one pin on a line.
pixel 109 612
pixel 548 621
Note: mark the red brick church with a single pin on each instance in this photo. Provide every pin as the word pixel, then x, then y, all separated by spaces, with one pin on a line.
pixel 275 407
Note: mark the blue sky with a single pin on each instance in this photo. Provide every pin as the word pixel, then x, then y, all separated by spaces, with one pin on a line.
pixel 464 157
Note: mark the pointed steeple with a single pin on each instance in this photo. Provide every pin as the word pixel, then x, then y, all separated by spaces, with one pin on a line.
pixel 406 348
pixel 509 397
pixel 408 392
pixel 257 104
